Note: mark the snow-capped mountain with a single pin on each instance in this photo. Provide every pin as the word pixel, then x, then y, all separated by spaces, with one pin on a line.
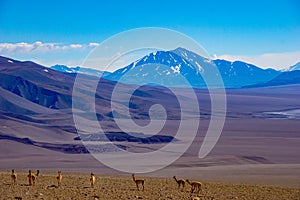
pixel 162 67
pixel 88 71
pixel 181 67
pixel 293 67
pixel 172 68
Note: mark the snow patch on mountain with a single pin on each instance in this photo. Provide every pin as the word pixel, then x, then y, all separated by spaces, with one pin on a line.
pixel 176 69
pixel 293 67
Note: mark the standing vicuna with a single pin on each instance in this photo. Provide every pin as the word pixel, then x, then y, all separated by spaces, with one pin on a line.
pixel 138 182
pixel 32 177
pixel 13 176
pixel 92 179
pixel 59 178
pixel 180 182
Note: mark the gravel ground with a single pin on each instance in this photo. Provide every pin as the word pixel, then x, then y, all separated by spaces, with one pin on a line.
pixel 77 186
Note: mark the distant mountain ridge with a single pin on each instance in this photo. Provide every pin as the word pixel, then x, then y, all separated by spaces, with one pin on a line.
pixel 82 70
pixel 170 68
pixel 27 87
pixel 284 78
pixel 293 67
pixel 180 68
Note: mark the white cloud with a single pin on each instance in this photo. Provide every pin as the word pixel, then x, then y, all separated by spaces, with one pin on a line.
pixel 75 46
pixel 270 60
pixel 93 44
pixel 40 47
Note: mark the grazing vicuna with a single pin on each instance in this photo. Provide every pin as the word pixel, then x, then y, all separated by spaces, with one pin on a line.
pixel 196 186
pixel 138 182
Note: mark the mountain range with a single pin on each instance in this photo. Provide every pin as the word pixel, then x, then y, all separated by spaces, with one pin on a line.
pixel 36 101
pixel 30 88
pixel 181 67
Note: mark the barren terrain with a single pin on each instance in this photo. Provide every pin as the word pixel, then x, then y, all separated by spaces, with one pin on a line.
pixel 77 186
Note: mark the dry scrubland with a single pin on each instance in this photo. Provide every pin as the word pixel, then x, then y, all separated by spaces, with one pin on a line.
pixel 77 186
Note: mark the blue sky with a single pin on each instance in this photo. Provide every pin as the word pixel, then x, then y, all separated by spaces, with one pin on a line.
pixel 265 33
